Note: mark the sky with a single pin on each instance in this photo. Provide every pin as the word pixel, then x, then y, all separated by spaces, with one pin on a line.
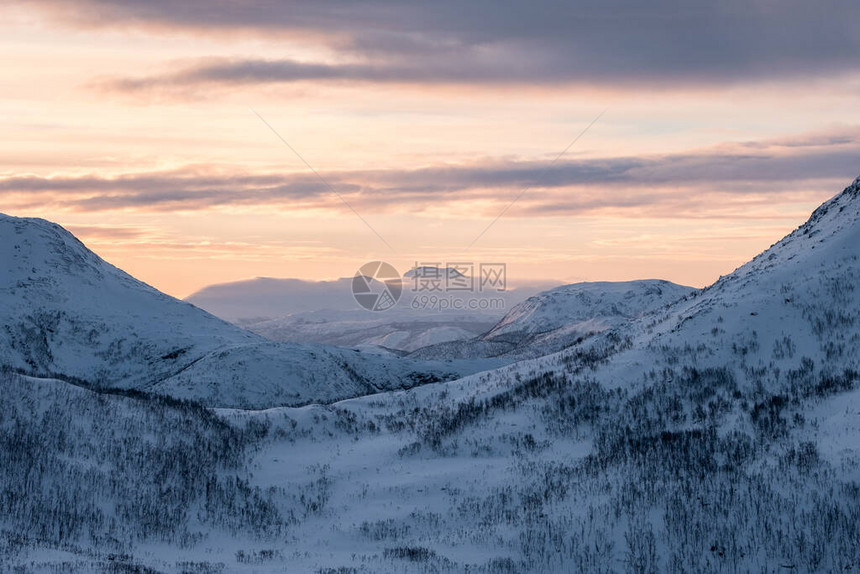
pixel 207 141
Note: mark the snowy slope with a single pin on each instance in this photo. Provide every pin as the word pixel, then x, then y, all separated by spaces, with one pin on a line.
pixel 718 434
pixel 66 312
pixel 555 319
pixel 325 312
pixel 715 435
pixel 605 303
pixel 792 312
pixel 404 330
pixel 794 307
pixel 263 299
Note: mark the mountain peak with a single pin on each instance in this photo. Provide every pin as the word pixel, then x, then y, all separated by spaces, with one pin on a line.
pixel 37 251
pixel 843 200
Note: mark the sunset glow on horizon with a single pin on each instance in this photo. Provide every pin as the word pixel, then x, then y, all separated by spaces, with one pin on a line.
pixel 135 127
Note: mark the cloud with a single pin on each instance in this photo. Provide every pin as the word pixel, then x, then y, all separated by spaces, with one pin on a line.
pixel 109 233
pixel 582 41
pixel 189 188
pixel 225 72
pixel 697 184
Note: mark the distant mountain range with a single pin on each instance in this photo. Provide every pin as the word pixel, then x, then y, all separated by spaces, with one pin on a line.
pixel 265 298
pixel 545 322
pixel 325 312
pixel 67 313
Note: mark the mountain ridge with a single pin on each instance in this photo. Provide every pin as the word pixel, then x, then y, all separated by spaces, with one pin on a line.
pixel 562 317
pixel 718 433
pixel 67 312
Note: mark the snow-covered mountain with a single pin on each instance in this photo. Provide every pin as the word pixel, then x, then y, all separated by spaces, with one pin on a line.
pixel 399 330
pixel 252 301
pixel 718 433
pixel 265 298
pixel 67 313
pixel 790 314
pixel 794 307
pixel 325 312
pixel 561 317
pixel 593 306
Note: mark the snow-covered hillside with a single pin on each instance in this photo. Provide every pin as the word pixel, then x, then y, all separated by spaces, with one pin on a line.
pixel 263 299
pixel 405 330
pixel 793 309
pixel 716 434
pixel 601 305
pixel 325 312
pixel 558 318
pixel 66 312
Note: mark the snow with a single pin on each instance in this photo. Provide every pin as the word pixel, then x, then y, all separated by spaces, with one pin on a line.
pixel 555 319
pixel 601 303
pixel 834 425
pixel 325 312
pixel 68 313
pixel 400 329
pixel 256 301
pixel 692 431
